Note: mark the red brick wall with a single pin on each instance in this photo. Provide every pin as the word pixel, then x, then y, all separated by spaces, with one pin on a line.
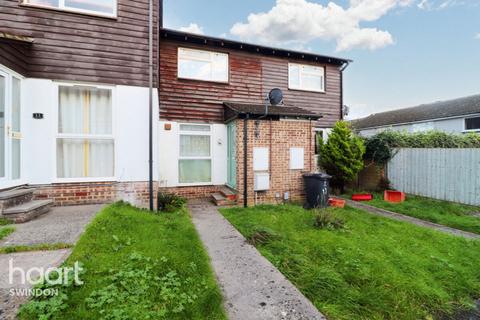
pixel 279 137
pixel 193 192
pixel 95 192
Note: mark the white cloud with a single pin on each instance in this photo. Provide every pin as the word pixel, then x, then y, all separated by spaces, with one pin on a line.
pixel 477 36
pixel 192 28
pixel 439 4
pixel 296 22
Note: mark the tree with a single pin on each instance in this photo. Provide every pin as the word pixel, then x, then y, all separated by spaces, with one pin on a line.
pixel 342 155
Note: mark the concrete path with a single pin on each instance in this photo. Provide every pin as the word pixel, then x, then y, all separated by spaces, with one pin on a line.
pixel 59 225
pixel 252 287
pixel 418 222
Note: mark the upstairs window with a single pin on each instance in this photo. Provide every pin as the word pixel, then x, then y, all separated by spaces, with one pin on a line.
pixel 98 7
pixel 202 65
pixel 305 77
pixel 472 124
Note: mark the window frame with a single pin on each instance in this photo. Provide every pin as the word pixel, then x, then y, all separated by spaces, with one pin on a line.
pixel 465 124
pixel 180 157
pixel 63 8
pixel 300 87
pixel 227 81
pixel 57 135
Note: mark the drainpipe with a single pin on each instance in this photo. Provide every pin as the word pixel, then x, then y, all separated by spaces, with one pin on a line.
pixel 150 103
pixel 342 68
pixel 245 160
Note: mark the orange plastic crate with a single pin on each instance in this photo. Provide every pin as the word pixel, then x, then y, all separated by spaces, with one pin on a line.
pixel 394 196
pixel 336 203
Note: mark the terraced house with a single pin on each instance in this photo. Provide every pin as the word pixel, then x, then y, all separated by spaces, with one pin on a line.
pixel 74 106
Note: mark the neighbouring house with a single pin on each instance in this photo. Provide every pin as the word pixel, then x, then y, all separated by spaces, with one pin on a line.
pixel 453 116
pixel 74 109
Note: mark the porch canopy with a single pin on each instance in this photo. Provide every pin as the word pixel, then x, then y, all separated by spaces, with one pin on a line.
pixel 233 110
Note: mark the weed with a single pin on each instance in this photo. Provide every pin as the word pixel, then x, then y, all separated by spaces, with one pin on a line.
pixel 326 219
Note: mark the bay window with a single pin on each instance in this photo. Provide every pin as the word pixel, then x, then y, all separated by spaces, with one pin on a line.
pixel 202 65
pixel 97 7
pixel 306 77
pixel 195 159
pixel 85 143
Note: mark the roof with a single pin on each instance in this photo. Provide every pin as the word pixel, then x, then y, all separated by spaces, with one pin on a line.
pixel 13 37
pixel 254 48
pixel 234 109
pixel 437 110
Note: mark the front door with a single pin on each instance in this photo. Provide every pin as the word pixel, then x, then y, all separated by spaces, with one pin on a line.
pixel 10 129
pixel 232 163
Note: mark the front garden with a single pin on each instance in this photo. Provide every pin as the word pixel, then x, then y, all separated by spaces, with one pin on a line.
pixel 137 265
pixel 450 214
pixel 353 265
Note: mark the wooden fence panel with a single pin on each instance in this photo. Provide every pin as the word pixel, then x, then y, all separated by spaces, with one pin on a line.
pixel 445 174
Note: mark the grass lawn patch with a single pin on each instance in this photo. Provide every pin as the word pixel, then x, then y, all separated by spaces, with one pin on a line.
pixel 138 265
pixel 5 231
pixel 35 247
pixel 353 265
pixel 450 214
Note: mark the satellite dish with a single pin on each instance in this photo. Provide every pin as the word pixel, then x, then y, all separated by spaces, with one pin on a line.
pixel 275 96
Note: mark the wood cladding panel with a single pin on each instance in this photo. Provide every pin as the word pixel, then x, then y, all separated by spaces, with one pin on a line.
pixel 77 47
pixel 12 55
pixel 251 77
pixel 275 75
pixel 193 100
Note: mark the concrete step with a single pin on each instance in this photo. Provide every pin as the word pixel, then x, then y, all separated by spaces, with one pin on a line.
pixel 220 200
pixel 228 193
pixel 14 197
pixel 27 211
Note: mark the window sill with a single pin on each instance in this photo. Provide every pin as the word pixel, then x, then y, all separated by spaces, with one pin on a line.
pixel 83 180
pixel 195 184
pixel 306 90
pixel 205 81
pixel 73 11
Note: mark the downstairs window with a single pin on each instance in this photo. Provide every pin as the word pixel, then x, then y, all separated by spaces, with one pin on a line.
pixel 85 143
pixel 195 159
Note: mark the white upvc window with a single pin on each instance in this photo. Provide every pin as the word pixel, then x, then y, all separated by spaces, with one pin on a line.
pixel 203 65
pixel 472 124
pixel 85 139
pixel 96 7
pixel 306 77
pixel 195 158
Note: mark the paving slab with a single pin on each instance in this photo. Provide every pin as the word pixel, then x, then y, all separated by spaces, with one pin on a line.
pixel 60 225
pixel 252 287
pixel 416 221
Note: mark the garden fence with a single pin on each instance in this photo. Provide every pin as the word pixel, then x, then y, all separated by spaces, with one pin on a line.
pixel 445 174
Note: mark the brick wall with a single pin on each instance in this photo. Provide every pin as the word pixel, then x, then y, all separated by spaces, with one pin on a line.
pixel 192 192
pixel 279 137
pixel 64 194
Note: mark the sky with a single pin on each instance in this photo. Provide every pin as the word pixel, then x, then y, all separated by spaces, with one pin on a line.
pixel 405 52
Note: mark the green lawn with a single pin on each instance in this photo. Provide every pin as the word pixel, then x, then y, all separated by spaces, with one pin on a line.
pixel 5 231
pixel 373 268
pixel 455 215
pixel 137 266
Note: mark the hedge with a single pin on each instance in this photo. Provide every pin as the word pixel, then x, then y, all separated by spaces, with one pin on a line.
pixel 379 148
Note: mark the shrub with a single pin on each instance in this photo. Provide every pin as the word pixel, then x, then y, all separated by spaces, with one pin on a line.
pixel 342 155
pixel 326 219
pixel 170 202
pixel 380 147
